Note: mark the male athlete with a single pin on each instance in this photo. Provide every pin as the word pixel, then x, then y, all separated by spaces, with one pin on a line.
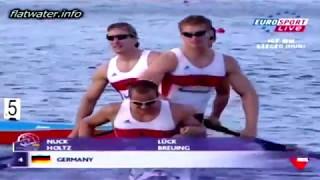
pixel 128 64
pixel 189 74
pixel 144 114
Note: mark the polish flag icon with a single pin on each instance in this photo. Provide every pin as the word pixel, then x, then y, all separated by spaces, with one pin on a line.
pixel 299 162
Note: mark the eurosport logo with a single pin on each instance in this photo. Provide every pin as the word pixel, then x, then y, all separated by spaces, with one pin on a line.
pixel 282 22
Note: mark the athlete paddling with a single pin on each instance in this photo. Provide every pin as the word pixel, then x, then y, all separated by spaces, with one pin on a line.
pixel 189 75
pixel 144 114
pixel 128 64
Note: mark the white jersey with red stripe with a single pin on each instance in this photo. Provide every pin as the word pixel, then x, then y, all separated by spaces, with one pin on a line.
pixel 192 85
pixel 125 125
pixel 121 80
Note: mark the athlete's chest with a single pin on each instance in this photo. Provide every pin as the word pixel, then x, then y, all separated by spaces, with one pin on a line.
pixel 145 117
pixel 126 66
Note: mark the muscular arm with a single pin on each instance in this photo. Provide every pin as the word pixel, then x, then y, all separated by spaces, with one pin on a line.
pixel 183 115
pixel 220 101
pixel 104 115
pixel 246 91
pixel 89 100
pixel 165 63
pixel 153 56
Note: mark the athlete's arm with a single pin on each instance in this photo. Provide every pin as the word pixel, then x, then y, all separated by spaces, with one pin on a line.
pixel 165 63
pixel 249 97
pixel 189 125
pixel 153 56
pixel 220 101
pixel 89 100
pixel 104 115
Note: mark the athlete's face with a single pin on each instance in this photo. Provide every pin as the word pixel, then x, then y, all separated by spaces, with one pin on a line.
pixel 145 101
pixel 121 40
pixel 195 35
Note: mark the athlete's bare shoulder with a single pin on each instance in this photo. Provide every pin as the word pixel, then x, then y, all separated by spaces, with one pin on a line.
pixel 229 58
pixel 232 66
pixel 153 55
pixel 169 54
pixel 167 62
pixel 101 71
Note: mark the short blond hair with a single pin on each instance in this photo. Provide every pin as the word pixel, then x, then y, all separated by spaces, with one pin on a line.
pixel 195 20
pixel 124 25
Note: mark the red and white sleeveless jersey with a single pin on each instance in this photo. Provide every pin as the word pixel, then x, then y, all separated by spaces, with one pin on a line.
pixel 192 85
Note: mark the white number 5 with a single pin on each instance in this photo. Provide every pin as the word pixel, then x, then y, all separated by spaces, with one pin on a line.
pixel 12 108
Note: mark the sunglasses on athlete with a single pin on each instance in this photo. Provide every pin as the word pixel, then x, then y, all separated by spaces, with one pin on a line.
pixel 196 34
pixel 119 37
pixel 144 103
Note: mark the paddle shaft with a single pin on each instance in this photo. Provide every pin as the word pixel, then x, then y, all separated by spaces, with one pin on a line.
pixel 266 145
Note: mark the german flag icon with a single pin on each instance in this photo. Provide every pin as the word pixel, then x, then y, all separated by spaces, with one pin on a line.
pixel 40 159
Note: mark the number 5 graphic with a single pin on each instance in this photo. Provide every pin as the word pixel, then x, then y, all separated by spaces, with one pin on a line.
pixel 12 109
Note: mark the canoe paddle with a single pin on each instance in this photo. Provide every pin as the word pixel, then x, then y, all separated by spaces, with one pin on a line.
pixel 266 145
